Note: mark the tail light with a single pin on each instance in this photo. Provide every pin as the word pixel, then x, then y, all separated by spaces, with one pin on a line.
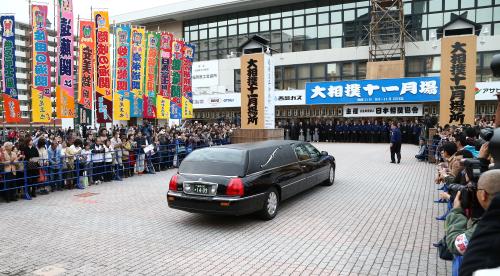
pixel 172 186
pixel 235 187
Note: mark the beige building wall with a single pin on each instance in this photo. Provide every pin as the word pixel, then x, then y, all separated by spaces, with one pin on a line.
pixel 174 27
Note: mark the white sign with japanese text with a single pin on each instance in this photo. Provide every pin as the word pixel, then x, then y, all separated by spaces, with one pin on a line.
pixel 205 75
pixel 384 110
pixel 289 97
pixel 487 91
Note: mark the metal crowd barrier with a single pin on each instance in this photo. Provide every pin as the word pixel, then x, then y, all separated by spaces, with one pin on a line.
pixel 75 170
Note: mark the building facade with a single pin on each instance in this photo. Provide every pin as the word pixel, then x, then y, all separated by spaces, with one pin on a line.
pixel 320 40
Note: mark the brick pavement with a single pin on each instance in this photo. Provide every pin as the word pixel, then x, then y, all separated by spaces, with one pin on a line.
pixel 378 219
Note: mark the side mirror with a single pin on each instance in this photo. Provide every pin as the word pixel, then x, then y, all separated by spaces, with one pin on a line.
pixel 324 153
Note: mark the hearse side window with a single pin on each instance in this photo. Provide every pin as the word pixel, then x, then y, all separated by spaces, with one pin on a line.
pixel 313 152
pixel 301 153
pixel 283 156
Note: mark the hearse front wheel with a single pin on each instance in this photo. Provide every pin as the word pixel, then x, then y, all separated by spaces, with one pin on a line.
pixel 271 205
pixel 331 177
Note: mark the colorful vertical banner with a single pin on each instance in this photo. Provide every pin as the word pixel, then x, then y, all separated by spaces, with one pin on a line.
pixel 187 87
pixel 9 89
pixel 40 91
pixel 104 95
pixel 65 92
pixel 137 57
pixel 151 77
pixel 163 97
pixel 176 80
pixel 85 71
pixel 121 95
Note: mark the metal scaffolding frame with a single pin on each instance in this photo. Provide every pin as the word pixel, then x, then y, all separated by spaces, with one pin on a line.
pixel 387 30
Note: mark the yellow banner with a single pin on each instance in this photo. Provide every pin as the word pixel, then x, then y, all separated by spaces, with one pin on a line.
pixel 162 107
pixel 41 107
pixel 41 78
pixel 121 107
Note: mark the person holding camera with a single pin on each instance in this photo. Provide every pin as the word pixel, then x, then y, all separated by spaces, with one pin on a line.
pixel 483 250
pixel 459 231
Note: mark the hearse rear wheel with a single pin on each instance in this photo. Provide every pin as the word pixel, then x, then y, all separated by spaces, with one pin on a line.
pixel 271 205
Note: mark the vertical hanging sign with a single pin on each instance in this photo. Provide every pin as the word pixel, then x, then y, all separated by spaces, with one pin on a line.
pixel 176 80
pixel 85 71
pixel 163 97
pixel 121 95
pixel 40 90
pixel 137 54
pixel 151 76
pixel 458 79
pixel 104 95
pixel 187 87
pixel 9 88
pixel 252 91
pixel 65 93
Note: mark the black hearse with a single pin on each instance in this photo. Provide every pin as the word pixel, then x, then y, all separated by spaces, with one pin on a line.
pixel 241 179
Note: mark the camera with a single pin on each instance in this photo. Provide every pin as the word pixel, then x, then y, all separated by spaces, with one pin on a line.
pixel 486 134
pixel 468 199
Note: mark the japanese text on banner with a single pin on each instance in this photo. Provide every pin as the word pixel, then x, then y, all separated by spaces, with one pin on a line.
pixel 138 63
pixel 163 97
pixel 121 97
pixel 40 92
pixel 65 93
pixel 374 91
pixel 187 89
pixel 151 77
pixel 176 80
pixel 104 97
pixel 8 73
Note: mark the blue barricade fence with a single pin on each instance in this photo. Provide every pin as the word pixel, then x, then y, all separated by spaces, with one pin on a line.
pixel 77 171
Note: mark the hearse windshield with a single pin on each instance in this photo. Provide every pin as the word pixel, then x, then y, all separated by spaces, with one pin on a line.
pixel 215 161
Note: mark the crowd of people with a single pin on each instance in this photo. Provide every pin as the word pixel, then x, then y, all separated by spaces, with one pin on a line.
pixel 49 159
pixel 469 185
pixel 353 131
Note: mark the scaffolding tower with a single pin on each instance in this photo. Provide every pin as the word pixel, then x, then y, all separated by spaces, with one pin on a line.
pixel 387 30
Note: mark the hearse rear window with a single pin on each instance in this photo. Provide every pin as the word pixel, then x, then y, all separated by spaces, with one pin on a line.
pixel 215 161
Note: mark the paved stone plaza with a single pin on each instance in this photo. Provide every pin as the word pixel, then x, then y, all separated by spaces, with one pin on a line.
pixel 378 219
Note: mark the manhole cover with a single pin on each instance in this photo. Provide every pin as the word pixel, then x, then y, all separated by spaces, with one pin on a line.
pixel 87 194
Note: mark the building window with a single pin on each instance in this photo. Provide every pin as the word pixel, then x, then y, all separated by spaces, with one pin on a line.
pixel 237 80
pixel 319 24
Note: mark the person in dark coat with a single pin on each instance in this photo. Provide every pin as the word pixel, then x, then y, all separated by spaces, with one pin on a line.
pixel 31 156
pixel 483 249
pixel 396 140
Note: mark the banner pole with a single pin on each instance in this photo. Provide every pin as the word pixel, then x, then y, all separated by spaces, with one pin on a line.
pixel 56 80
pixel 94 100
pixel 2 85
pixel 76 119
pixel 30 69
pixel 113 82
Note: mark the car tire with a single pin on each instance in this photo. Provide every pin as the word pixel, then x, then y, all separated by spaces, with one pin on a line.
pixel 271 205
pixel 331 177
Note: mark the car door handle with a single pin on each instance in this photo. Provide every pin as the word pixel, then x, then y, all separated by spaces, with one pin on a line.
pixel 303 166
